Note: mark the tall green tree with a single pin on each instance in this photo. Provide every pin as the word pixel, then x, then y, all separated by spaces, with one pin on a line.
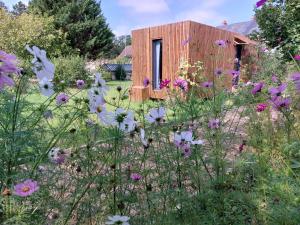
pixel 19 8
pixel 119 44
pixel 279 22
pixel 3 6
pixel 82 21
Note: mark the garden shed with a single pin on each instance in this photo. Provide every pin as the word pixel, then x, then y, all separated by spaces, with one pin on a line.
pixel 157 53
pixel 122 68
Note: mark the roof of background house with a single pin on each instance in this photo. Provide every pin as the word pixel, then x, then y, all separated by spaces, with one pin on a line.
pixel 113 67
pixel 127 52
pixel 244 28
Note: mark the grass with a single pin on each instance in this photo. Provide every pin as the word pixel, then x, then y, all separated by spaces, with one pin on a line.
pixel 35 97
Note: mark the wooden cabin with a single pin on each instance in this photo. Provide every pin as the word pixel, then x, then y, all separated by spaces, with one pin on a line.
pixel 158 52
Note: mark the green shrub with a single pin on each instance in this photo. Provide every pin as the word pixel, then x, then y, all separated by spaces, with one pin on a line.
pixel 16 32
pixel 69 69
pixel 105 74
pixel 120 73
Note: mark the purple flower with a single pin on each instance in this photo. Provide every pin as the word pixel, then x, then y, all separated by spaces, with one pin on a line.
pixel 296 79
pixel 5 81
pixel 146 82
pixel 214 123
pixel 80 84
pixel 234 73
pixel 8 63
pixel 274 78
pixel 135 176
pixel 273 91
pixel 261 107
pixel 27 188
pixel 186 150
pixel 297 57
pixel 164 83
pixel 207 84
pixel 221 43
pixel 62 98
pixel 280 102
pixel 257 88
pixel 218 72
pixel 260 3
pixel 7 66
pixel 182 84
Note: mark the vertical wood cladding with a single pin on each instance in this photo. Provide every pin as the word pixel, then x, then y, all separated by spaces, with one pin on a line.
pixel 199 47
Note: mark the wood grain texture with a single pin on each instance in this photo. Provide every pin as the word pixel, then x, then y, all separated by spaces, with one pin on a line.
pixel 200 47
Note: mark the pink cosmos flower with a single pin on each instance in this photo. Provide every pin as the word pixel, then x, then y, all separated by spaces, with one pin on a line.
pixel 27 188
pixel 135 176
pixel 214 123
pixel 297 57
pixel 62 98
pixel 182 84
pixel 186 150
pixel 261 107
pixel 221 43
pixel 218 72
pixel 260 3
pixel 296 79
pixel 8 63
pixel 146 82
pixel 280 102
pixel 7 66
pixel 274 78
pixel 164 83
pixel 277 91
pixel 234 73
pixel 80 84
pixel 257 88
pixel 5 81
pixel 207 84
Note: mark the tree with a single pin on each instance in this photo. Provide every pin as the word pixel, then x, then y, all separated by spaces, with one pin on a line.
pixel 19 8
pixel 119 44
pixel 83 23
pixel 3 6
pixel 279 22
pixel 16 32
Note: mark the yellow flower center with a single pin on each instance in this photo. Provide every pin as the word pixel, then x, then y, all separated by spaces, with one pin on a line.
pixel 99 109
pixel 26 189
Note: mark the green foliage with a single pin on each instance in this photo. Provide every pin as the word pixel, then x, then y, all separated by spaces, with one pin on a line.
pixel 70 69
pixel 119 44
pixel 19 8
pixel 279 22
pixel 120 72
pixel 16 32
pixel 82 22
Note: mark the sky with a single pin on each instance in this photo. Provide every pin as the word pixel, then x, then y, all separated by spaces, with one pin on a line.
pixel 126 15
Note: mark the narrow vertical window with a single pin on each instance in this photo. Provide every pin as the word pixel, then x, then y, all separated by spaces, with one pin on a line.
pixel 157 63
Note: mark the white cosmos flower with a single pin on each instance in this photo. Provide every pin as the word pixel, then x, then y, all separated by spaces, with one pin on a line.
pixel 156 115
pixel 42 66
pixel 95 99
pixel 143 139
pixel 100 84
pixel 124 120
pixel 46 87
pixel 104 116
pixel 122 220
pixel 186 137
